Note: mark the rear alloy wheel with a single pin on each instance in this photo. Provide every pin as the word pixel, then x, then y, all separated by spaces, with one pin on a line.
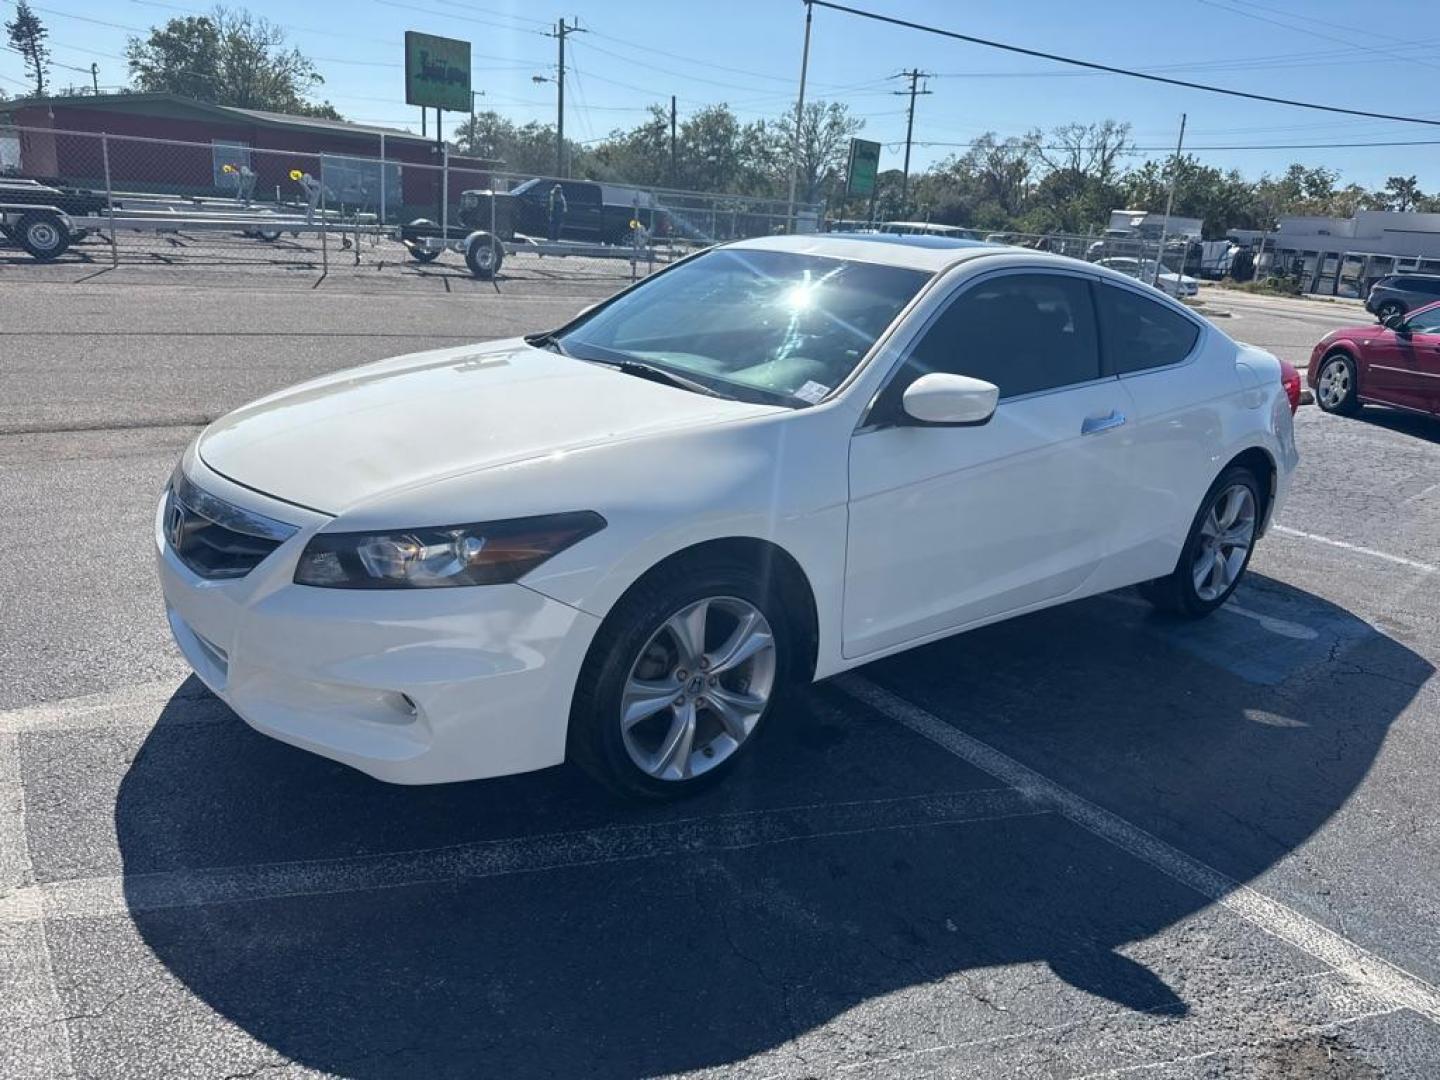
pixel 1388 309
pixel 1336 390
pixel 679 681
pixel 1217 551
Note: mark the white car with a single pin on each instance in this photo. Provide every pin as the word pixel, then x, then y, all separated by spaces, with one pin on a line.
pixel 1177 285
pixel 621 541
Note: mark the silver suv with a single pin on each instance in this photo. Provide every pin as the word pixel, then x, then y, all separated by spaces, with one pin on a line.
pixel 1395 294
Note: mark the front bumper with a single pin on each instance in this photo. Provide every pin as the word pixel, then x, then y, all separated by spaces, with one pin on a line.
pixel 411 687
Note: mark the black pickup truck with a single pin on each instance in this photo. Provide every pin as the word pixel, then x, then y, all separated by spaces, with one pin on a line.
pixel 594 213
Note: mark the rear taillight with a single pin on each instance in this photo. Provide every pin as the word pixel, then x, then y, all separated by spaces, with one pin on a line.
pixel 1290 377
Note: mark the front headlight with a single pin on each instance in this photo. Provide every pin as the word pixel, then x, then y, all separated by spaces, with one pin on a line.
pixel 489 553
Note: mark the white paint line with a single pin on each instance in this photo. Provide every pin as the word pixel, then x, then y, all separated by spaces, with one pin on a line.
pixel 1245 1048
pixel 117 895
pixel 1272 623
pixel 1380 977
pixel 110 709
pixel 45 1051
pixel 1282 627
pixel 1397 559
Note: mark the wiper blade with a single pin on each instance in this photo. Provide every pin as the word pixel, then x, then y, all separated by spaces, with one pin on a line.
pixel 654 373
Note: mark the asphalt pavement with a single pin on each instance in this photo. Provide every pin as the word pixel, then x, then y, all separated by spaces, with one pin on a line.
pixel 1088 842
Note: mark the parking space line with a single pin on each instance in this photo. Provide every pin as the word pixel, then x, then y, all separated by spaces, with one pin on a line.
pixel 105 709
pixel 117 894
pixel 1400 560
pixel 1380 977
pixel 44 1050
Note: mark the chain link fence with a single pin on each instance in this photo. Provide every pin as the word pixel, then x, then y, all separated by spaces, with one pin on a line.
pixel 85 197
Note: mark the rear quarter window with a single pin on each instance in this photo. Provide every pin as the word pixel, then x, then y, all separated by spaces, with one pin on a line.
pixel 1139 334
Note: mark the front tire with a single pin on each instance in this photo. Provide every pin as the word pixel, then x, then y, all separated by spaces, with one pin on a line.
pixel 1217 551
pixel 1389 308
pixel 680 680
pixel 1337 390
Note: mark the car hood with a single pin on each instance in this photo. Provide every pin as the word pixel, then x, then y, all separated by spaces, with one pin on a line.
pixel 341 440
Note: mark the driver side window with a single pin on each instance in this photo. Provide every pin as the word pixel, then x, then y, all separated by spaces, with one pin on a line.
pixel 1023 332
pixel 1424 322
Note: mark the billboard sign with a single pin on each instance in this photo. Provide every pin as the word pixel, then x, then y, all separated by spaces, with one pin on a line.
pixel 864 164
pixel 437 72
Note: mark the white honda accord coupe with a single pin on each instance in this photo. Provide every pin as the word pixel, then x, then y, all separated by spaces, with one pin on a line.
pixel 620 542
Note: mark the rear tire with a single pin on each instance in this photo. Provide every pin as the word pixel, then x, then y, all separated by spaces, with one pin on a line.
pixel 483 255
pixel 1337 389
pixel 418 253
pixel 43 235
pixel 1213 560
pixel 691 712
pixel 1389 308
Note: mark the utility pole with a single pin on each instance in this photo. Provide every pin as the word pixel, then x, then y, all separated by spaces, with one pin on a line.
pixel 672 139
pixel 95 76
pixel 560 34
pixel 799 115
pixel 1170 205
pixel 914 75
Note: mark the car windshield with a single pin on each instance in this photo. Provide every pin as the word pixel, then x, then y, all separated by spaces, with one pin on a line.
pixel 771 326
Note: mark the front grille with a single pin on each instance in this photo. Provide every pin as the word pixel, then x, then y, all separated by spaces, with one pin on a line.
pixel 214 538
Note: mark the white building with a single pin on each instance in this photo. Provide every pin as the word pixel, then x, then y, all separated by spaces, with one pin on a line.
pixel 1341 256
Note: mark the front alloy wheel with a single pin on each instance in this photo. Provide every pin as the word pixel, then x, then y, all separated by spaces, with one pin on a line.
pixel 698 688
pixel 681 678
pixel 1335 389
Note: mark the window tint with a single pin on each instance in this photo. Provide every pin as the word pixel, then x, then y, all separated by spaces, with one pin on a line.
pixel 588 194
pixel 1139 333
pixel 1425 322
pixel 1022 332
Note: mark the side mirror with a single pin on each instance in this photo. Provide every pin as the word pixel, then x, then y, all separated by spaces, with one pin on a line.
pixel 1394 322
pixel 940 398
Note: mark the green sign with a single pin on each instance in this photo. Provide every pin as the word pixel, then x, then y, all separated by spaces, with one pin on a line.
pixel 864 164
pixel 437 72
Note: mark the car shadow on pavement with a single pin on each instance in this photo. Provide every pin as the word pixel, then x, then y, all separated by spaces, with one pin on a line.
pixel 632 960
pixel 1419 425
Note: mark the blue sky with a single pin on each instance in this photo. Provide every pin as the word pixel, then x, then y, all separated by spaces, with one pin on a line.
pixel 747 53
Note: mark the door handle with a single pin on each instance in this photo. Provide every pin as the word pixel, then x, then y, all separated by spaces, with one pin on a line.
pixel 1093 425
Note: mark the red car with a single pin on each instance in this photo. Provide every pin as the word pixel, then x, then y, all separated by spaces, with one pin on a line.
pixel 1395 363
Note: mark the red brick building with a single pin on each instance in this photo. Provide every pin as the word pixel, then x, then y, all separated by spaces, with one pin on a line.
pixel 171 144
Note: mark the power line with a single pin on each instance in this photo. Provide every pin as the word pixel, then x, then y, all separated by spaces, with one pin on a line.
pixel 1092 65
pixel 1317 34
pixel 458 18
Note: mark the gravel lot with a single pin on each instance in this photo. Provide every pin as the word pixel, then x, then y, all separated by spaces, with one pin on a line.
pixel 1088 842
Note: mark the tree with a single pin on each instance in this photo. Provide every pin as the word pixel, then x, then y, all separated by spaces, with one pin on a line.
pixel 638 156
pixel 1081 187
pixel 1092 151
pixel 27 36
pixel 228 57
pixel 528 148
pixel 1402 193
pixel 820 153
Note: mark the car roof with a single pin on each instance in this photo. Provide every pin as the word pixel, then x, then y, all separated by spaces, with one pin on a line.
pixel 920 252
